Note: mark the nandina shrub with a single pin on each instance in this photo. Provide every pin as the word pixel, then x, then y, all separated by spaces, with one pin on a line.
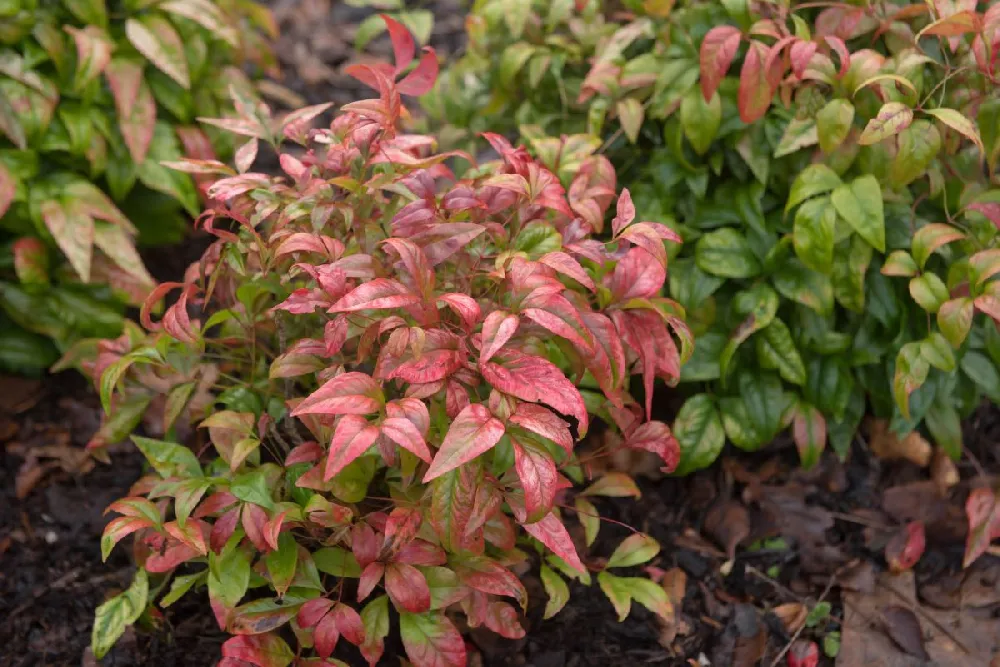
pixel 94 95
pixel 392 366
pixel 831 169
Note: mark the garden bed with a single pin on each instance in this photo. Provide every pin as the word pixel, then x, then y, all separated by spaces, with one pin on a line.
pixel 832 522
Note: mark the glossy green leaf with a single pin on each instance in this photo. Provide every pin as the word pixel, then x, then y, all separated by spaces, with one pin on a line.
pixel 928 291
pixel 799 133
pixel 899 263
pixel 121 611
pixel 833 124
pixel 726 253
pixel 228 576
pixel 850 266
pixel 180 585
pixel 945 427
pixel 169 459
pixel 556 590
pixel 700 119
pixel 917 146
pixel 252 487
pixel 954 318
pixel 930 238
pixel 911 372
pixel 816 179
pixel 813 234
pixel 622 591
pixel 636 549
pixel 698 429
pixel 776 350
pixel 860 204
pixel 810 288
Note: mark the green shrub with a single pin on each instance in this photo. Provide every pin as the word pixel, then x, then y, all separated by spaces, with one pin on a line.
pixel 393 368
pixel 831 170
pixel 94 96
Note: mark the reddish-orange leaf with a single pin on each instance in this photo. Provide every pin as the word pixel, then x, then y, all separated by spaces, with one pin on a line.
pixel 473 432
pixel 717 52
pixel 353 437
pixel 755 92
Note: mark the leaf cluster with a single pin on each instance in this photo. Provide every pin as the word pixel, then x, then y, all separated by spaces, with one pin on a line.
pixel 94 95
pixel 831 170
pixel 391 366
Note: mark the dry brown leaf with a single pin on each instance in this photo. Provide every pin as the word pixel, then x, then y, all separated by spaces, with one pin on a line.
pixel 888 446
pixel 943 470
pixel 792 615
pixel 728 524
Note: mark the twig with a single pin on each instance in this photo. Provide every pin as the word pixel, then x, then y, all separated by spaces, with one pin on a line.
pixel 795 636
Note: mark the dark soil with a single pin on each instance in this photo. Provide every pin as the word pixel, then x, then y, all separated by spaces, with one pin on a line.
pixel 834 521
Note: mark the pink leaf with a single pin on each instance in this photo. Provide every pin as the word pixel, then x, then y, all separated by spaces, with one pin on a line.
pixel 656 437
pixel 431 640
pixel 375 294
pixel 983 512
pixel 568 266
pixel 353 437
pixel 498 328
pixel 135 105
pixel 542 421
pixel 423 76
pixel 502 619
pixel 346 394
pixel 488 576
pixel 637 275
pixel 406 435
pixel 625 213
pixel 838 45
pixel 551 532
pixel 755 92
pixel 264 650
pixel 801 55
pixel 464 306
pixel 473 432
pixel 349 623
pixel 326 636
pixel 537 380
pixel 717 52
pixel 538 475
pixel 407 588
pixel 403 46
pixel 312 611
pixel 989 209
pixel 370 576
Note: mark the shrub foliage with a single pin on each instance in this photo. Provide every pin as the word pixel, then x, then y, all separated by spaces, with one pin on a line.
pixel 392 367
pixel 93 97
pixel 831 169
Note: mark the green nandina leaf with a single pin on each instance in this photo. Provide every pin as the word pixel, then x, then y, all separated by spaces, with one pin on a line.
pixel 911 372
pixel 253 487
pixel 589 519
pixel 228 576
pixel 929 292
pixel 337 561
pixel 891 119
pixel 444 586
pixel 121 611
pixel 813 233
pixel 186 496
pixel 850 265
pixel 154 37
pixel 983 372
pixel 776 350
pixel 700 119
pixel 833 124
pixel 513 60
pixel 757 306
pixel 698 429
pixel 799 133
pixel 930 238
pixel 816 179
pixel 431 639
pixel 176 402
pixel 961 124
pixel 917 146
pixel 630 115
pixel 169 459
pixel 766 402
pixel 726 253
pixel 899 263
pixel 636 549
pixel 945 426
pixel 954 318
pixel 556 589
pixel 810 288
pixel 281 562
pixel 860 204
pixel 621 591
pixel 181 585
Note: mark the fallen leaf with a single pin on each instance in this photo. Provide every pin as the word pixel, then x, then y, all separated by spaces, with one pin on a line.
pixel 888 446
pixel 906 547
pixel 792 615
pixel 18 395
pixel 728 524
pixel 943 471
pixel 902 626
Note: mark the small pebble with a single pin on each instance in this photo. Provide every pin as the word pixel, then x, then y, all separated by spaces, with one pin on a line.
pixel 51 537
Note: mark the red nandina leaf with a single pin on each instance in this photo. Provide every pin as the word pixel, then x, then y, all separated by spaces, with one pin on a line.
pixel 568 266
pixel 346 394
pixel 349 623
pixel 555 313
pixel 312 611
pixel 118 529
pixel 473 432
pixel 307 452
pixel 607 364
pixel 370 576
pixel 406 435
pixel 416 263
pixel 637 275
pixel 537 380
pixel 402 526
pixel 452 505
pixel 989 209
pixel 421 553
pixel 464 306
pixel 407 588
pixel 625 213
pixel 656 437
pixel 353 437
pixel 906 547
pixel 538 475
pixel 717 52
pixel 135 105
pixel 326 635
pixel 423 76
pixel 223 529
pixel 983 512
pixel 551 532
pixel 375 294
pixel 403 46
pixel 431 640
pixel 755 92
pixel 801 54
pixel 488 576
pixel 502 619
pixel 498 328
pixel 272 529
pixel 265 650
pixel 254 518
pixel 175 554
pixel 192 533
pixel 650 236
pixel 364 544
pixel 543 422
pixel 838 45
